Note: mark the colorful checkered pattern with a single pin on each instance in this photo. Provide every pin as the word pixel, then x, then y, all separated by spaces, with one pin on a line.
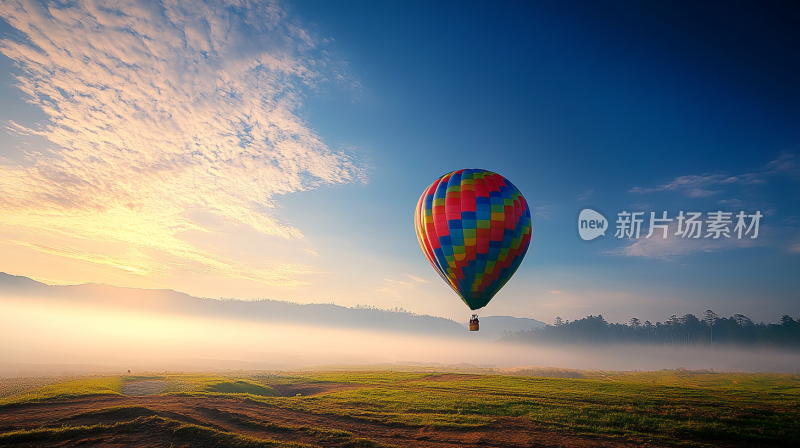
pixel 475 227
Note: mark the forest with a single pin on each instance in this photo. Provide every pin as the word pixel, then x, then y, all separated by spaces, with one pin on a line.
pixel 687 331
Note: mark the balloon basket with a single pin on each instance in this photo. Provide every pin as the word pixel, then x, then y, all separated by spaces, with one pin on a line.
pixel 474 325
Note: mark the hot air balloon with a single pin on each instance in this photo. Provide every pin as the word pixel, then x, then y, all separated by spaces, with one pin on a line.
pixel 475 227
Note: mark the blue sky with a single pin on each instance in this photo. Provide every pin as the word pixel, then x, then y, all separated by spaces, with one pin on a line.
pixel 627 106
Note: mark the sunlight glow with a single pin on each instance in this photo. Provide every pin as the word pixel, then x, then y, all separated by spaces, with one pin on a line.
pixel 163 114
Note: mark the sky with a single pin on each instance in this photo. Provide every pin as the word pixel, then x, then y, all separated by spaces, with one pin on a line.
pixel 277 149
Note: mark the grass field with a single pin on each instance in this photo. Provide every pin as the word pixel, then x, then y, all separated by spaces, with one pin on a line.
pixel 666 408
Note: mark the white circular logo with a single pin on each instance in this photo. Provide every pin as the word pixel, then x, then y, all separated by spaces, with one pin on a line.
pixel 591 224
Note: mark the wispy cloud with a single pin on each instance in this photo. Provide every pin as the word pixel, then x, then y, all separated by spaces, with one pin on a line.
pixel 693 186
pixel 544 211
pixel 785 164
pixel 732 202
pixel 698 186
pixel 396 287
pixel 585 195
pixel 675 246
pixel 417 279
pixel 155 110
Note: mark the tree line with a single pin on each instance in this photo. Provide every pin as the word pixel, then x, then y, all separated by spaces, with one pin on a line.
pixel 687 331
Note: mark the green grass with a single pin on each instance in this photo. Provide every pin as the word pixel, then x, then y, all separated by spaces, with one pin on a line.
pixel 239 386
pixel 667 407
pixel 662 407
pixel 14 386
pixel 109 385
pixel 178 432
pixel 192 384
pixel 323 435
pixel 118 412
pixel 141 418
pixel 208 385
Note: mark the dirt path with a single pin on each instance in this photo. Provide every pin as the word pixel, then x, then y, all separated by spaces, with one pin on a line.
pixel 237 416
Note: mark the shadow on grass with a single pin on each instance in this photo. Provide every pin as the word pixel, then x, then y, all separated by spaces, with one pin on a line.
pixel 133 432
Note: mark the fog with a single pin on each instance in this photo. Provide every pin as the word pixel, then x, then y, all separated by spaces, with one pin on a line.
pixel 40 337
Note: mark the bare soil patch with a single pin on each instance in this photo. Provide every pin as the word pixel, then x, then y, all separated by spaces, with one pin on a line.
pixel 306 389
pixel 141 388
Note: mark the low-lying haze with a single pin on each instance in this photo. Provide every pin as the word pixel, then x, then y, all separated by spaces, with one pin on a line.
pixel 91 328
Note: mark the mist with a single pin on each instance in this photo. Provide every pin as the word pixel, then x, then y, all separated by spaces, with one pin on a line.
pixel 41 336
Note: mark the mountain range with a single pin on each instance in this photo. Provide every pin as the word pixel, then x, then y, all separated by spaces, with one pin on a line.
pixel 165 301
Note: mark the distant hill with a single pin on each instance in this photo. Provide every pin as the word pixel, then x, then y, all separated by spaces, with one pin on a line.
pixel 17 283
pixel 318 315
pixel 172 302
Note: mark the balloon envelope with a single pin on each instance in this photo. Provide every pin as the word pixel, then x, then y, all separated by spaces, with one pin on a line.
pixel 475 227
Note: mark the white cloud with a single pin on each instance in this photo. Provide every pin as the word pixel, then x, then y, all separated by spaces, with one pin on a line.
pixel 732 202
pixel 698 186
pixel 399 283
pixel 395 287
pixel 417 279
pixel 388 290
pixel 155 110
pixel 564 301
pixel 544 211
pixel 786 164
pixel 675 245
pixel 693 186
